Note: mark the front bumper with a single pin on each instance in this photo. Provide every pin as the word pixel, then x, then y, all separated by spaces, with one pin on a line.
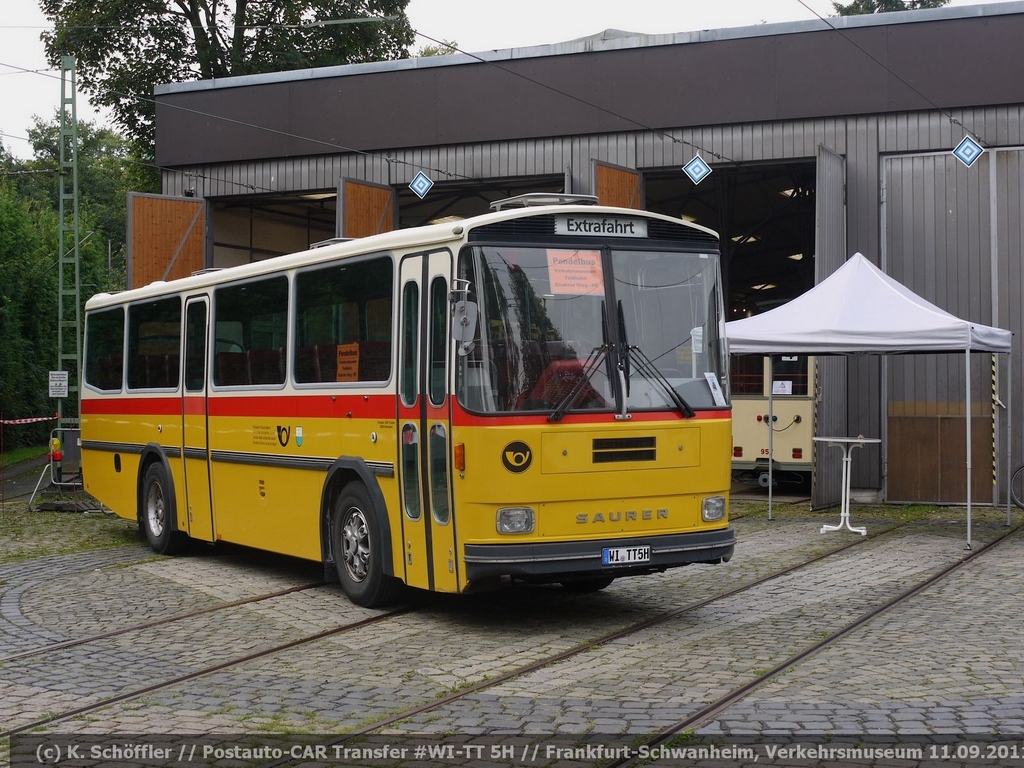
pixel 552 561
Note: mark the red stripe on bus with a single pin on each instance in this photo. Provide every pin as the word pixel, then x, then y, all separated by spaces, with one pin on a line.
pixel 462 418
pixel 133 406
pixel 309 406
pixel 195 406
pixel 296 406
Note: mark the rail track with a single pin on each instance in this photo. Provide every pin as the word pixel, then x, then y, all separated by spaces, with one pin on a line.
pixel 270 650
pixel 438 703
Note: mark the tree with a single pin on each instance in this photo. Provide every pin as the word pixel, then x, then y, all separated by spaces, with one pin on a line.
pixel 124 48
pixel 861 7
pixel 29 269
pixel 107 171
pixel 442 48
pixel 28 310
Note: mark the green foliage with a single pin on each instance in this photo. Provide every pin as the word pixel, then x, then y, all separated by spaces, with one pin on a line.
pixel 28 310
pixel 10 458
pixel 125 48
pixel 861 7
pixel 29 269
pixel 443 48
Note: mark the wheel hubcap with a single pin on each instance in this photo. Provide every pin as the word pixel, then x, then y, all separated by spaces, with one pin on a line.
pixel 155 509
pixel 355 538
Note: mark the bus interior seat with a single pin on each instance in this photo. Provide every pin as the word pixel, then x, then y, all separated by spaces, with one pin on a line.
pixel 232 369
pixel 266 366
pixel 109 372
pixel 325 362
pixel 374 360
pixel 161 371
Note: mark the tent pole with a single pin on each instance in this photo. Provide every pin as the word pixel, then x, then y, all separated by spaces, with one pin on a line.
pixel 771 430
pixel 1009 421
pixel 967 379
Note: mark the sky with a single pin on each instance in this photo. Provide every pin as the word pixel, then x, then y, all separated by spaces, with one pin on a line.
pixel 475 25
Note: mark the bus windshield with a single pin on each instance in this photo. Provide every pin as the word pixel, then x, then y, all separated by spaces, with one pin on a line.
pixel 562 329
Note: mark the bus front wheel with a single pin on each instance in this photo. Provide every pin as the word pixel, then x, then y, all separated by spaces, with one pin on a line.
pixel 358 549
pixel 157 516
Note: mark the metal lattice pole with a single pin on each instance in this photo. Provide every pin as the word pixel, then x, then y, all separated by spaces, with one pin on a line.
pixel 69 325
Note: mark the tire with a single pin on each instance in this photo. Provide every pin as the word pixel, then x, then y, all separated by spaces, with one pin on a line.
pixel 1017 487
pixel 358 550
pixel 157 512
pixel 584 586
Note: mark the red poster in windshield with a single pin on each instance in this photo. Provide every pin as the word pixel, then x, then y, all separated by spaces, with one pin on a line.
pixel 575 272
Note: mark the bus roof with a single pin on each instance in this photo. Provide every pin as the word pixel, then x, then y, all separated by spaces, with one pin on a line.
pixel 399 239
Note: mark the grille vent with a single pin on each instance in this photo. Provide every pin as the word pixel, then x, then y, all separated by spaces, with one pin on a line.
pixel 614 449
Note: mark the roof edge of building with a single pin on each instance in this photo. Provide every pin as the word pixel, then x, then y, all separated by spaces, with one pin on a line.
pixel 608 40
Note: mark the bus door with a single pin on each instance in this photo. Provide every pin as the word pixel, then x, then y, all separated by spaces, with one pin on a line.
pixel 195 451
pixel 424 424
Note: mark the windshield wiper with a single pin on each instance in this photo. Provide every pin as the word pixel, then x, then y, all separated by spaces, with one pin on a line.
pixel 645 367
pixel 590 365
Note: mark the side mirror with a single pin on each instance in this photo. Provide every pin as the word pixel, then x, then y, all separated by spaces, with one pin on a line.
pixel 464 325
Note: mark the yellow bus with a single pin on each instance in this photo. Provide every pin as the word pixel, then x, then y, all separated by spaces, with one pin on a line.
pixel 539 393
pixel 788 378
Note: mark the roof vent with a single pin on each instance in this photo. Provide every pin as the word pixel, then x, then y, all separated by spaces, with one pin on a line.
pixel 542 198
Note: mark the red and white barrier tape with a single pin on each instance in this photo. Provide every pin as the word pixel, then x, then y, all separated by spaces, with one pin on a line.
pixel 30 421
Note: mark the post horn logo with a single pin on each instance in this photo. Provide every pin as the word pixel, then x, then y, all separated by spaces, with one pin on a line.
pixel 517 457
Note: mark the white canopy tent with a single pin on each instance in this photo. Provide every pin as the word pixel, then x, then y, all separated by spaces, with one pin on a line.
pixel 860 309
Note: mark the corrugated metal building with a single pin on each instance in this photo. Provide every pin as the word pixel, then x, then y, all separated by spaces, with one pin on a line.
pixel 825 138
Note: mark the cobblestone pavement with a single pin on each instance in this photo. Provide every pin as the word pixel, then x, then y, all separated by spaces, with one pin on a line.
pixel 948 661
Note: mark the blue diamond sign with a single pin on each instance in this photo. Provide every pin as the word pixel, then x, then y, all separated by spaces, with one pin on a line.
pixel 968 150
pixel 421 184
pixel 697 169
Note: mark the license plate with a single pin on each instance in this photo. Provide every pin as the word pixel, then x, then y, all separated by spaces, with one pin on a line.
pixel 625 555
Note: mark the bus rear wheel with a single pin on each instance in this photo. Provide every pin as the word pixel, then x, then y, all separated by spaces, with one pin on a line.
pixel 158 513
pixel 358 550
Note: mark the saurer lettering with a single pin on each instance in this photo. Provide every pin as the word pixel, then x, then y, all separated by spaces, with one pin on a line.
pixel 617 517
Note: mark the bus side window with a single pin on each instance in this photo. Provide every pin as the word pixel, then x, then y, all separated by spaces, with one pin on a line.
pixel 154 344
pixel 251 332
pixel 195 347
pixel 104 349
pixel 438 340
pixel 343 322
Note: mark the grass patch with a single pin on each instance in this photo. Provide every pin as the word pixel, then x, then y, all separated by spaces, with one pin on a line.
pixel 11 458
pixel 26 535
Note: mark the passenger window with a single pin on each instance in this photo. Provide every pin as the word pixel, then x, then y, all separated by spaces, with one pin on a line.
pixel 104 349
pixel 411 471
pixel 195 347
pixel 251 330
pixel 438 382
pixel 343 322
pixel 439 473
pixel 410 343
pixel 154 344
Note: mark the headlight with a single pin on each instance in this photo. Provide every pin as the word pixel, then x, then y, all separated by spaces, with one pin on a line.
pixel 515 520
pixel 712 508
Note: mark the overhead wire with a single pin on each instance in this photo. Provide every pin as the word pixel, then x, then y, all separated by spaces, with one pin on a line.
pixel 889 70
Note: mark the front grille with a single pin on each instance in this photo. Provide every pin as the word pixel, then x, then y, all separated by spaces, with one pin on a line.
pixel 516 229
pixel 609 450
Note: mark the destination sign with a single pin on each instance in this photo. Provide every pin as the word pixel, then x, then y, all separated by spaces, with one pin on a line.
pixel 594 226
